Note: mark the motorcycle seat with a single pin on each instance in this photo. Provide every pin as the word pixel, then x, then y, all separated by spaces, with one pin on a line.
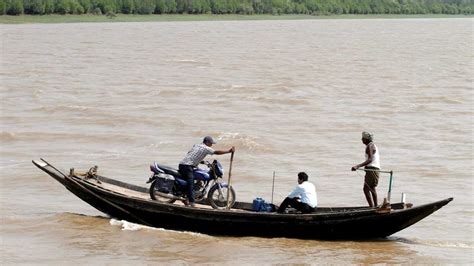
pixel 169 170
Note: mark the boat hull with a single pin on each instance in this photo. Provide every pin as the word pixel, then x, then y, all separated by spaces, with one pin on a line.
pixel 326 223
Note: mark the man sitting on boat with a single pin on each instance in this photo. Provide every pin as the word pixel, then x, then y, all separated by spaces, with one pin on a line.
pixel 194 156
pixel 303 198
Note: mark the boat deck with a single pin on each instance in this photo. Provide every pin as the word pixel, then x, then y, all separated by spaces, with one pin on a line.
pixel 133 192
pixel 143 193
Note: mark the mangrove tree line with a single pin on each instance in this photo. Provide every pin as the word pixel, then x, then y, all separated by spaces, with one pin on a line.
pixel 314 7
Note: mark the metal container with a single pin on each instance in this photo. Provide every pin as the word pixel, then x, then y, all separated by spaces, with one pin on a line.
pixel 404 197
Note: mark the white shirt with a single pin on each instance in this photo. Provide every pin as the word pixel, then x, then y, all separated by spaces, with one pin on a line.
pixel 197 153
pixel 306 191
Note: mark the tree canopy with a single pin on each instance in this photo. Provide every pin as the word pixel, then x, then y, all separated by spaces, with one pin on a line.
pixel 313 7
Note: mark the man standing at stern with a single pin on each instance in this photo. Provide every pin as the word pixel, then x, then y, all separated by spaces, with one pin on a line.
pixel 194 156
pixel 372 164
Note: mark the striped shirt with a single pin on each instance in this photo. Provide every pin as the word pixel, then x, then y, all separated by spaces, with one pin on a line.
pixel 197 153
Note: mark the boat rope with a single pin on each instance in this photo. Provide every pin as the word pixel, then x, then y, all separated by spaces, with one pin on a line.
pixel 92 174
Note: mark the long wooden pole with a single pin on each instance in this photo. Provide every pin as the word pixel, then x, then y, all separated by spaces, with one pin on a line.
pixel 228 181
pixel 375 170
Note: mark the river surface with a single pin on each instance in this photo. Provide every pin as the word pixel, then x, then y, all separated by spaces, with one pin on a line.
pixel 290 95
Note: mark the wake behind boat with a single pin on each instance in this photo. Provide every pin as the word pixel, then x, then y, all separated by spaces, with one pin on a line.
pixel 133 203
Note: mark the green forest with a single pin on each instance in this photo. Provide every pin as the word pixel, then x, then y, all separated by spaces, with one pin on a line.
pixel 243 7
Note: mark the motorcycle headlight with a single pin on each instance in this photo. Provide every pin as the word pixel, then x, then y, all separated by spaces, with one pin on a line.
pixel 218 168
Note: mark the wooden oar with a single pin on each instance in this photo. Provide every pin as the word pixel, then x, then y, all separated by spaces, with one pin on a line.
pixel 228 181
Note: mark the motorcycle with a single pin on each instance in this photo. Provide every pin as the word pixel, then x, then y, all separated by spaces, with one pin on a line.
pixel 167 185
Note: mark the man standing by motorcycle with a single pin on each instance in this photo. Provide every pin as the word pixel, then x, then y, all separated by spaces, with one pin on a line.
pixel 194 156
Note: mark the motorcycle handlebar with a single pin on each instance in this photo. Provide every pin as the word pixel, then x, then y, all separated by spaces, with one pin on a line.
pixel 205 163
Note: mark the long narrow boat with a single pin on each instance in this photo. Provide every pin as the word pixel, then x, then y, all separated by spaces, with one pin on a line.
pixel 132 203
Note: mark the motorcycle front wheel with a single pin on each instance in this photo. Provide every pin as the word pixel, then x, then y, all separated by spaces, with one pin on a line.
pixel 218 196
pixel 155 194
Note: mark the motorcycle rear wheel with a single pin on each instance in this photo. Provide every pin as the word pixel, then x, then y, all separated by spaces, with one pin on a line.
pixel 218 198
pixel 155 196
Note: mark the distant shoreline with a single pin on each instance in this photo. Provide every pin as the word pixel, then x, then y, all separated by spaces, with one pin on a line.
pixel 44 19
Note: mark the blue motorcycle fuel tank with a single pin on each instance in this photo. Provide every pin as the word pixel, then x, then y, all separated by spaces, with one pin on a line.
pixel 201 174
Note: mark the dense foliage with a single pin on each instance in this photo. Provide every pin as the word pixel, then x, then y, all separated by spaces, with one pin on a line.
pixel 315 7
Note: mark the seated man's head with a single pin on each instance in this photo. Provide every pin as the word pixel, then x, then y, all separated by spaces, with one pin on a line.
pixel 302 176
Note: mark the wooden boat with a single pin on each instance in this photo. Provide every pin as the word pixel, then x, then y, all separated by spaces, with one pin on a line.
pixel 132 203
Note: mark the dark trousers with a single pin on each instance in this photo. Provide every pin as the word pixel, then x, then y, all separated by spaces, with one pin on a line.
pixel 186 172
pixel 295 203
